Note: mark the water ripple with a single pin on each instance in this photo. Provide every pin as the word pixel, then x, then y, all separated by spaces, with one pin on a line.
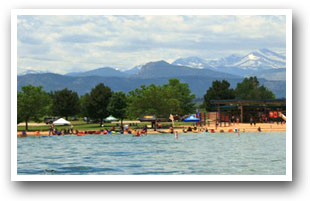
pixel 199 154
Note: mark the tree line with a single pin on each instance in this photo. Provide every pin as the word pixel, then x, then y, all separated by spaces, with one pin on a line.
pixel 248 89
pixel 175 97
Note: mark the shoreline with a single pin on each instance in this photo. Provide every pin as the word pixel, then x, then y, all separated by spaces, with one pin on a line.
pixel 242 128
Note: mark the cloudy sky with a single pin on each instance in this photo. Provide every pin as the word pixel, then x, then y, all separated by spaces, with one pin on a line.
pixel 64 44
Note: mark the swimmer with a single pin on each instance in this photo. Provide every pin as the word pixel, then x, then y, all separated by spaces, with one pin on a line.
pixel 176 135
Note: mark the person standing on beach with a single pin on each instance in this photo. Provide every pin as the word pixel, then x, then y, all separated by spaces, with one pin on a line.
pixel 233 119
pixel 251 121
pixel 72 129
pixel 51 130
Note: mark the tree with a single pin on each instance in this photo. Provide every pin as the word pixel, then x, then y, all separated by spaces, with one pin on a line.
pixel 117 105
pixel 32 103
pixel 182 93
pixel 65 103
pixel 172 98
pixel 219 90
pixel 97 101
pixel 84 105
pixel 249 88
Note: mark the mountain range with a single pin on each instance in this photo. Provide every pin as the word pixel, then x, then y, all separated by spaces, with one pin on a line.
pixel 252 63
pixel 199 73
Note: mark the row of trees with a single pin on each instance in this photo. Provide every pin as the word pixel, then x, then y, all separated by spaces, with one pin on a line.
pixel 248 89
pixel 174 97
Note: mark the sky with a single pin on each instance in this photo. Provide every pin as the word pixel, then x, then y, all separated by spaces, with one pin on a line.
pixel 63 44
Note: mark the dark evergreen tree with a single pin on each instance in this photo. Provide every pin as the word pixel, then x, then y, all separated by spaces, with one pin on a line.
pixel 117 105
pixel 249 88
pixel 97 102
pixel 219 90
pixel 65 103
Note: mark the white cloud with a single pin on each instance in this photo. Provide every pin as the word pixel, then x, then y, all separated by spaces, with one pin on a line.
pixel 67 43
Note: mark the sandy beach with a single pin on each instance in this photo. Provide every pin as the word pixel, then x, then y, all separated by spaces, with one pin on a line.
pixel 242 127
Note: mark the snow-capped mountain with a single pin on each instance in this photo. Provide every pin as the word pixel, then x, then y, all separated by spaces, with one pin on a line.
pixel 193 62
pixel 262 59
pixel 225 61
pixel 133 70
pixel 25 72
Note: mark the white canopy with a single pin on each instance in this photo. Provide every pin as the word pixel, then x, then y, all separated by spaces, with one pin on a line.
pixel 110 118
pixel 61 121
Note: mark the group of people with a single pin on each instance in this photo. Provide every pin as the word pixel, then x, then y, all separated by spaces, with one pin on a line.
pixel 54 131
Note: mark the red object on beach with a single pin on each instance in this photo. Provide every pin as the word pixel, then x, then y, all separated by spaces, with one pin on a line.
pixel 275 115
pixel 97 132
pixel 80 134
pixel 212 131
pixel 271 114
pixel 230 130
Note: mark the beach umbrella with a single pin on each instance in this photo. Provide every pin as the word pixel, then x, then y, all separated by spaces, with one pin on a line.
pixel 191 118
pixel 110 118
pixel 61 121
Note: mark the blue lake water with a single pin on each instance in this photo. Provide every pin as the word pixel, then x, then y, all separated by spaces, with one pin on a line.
pixel 206 154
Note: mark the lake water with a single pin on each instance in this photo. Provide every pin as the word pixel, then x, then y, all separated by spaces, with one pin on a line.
pixel 207 154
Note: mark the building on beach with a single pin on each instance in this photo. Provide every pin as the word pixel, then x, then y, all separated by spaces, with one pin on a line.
pixel 245 111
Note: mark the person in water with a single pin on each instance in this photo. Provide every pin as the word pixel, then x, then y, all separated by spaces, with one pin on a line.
pixel 24 134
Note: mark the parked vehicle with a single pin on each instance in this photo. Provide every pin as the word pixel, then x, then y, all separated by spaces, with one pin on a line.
pixel 50 120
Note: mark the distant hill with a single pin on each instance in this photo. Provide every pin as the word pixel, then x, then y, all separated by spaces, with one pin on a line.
pixel 84 84
pixel 164 69
pixel 193 62
pixel 103 72
pixel 25 72
pixel 270 74
pixel 133 70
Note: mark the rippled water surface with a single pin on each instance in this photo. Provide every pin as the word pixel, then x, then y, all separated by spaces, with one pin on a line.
pixel 251 153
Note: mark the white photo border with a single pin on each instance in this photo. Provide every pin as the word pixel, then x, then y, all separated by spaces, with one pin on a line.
pixel 285 12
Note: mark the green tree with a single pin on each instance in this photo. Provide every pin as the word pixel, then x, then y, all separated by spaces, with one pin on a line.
pixel 65 103
pixel 219 90
pixel 180 92
pixel 97 101
pixel 84 105
pixel 249 88
pixel 117 105
pixel 172 98
pixel 32 104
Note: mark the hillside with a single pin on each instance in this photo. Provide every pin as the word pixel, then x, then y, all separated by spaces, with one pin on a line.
pixel 82 85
